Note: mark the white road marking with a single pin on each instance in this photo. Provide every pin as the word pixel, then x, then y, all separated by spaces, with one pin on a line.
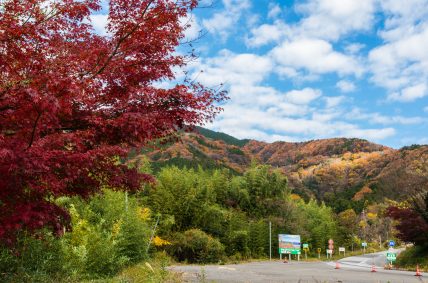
pixel 227 268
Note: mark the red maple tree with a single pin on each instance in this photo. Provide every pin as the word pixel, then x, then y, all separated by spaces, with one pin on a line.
pixel 72 100
pixel 412 219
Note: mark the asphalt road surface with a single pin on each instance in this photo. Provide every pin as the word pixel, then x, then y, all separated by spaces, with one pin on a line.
pixel 355 269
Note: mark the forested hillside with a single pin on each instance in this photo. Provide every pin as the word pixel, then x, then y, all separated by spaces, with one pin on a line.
pixel 344 173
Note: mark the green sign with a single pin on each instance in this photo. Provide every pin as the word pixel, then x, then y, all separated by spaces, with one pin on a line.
pixel 391 256
pixel 289 251
pixel 306 246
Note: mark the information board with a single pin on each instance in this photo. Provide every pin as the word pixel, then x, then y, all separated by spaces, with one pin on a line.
pixel 289 244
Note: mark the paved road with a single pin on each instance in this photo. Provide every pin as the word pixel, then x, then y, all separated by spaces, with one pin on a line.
pixel 352 270
pixel 365 261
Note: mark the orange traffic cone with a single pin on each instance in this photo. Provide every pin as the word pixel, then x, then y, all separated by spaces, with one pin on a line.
pixel 337 265
pixel 373 268
pixel 418 272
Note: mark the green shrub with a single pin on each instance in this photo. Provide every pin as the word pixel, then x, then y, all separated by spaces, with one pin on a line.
pixel 133 238
pixel 109 232
pixel 32 259
pixel 238 244
pixel 196 246
pixel 410 257
pixel 236 151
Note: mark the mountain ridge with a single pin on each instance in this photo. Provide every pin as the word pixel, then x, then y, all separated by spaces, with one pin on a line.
pixel 353 170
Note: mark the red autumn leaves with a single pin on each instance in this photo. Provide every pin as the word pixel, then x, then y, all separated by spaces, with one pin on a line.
pixel 71 100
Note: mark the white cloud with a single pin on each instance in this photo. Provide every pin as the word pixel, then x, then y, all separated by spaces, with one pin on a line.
pixel 193 31
pixel 331 19
pixel 236 69
pixel 333 101
pixel 410 93
pixel 316 56
pixel 236 5
pixel 376 118
pixel 265 34
pixel 222 23
pixel 426 108
pixel 247 120
pixel 370 134
pixel 326 115
pixel 263 112
pixel 400 64
pixel 323 19
pixel 303 96
pixel 354 48
pixel 274 10
pixel 402 17
pixel 346 86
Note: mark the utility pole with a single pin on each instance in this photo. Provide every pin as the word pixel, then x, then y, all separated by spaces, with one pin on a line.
pixel 270 240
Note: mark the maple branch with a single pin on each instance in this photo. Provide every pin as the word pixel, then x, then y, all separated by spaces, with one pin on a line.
pixel 6 107
pixel 121 40
pixel 33 133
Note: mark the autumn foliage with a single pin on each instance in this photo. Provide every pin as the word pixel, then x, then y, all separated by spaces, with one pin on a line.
pixel 412 223
pixel 73 101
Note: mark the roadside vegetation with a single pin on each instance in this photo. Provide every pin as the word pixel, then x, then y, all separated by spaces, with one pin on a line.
pixel 411 219
pixel 188 215
pixel 412 257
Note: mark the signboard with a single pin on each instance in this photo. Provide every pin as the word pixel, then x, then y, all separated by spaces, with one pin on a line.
pixel 391 243
pixel 306 246
pixel 391 256
pixel 341 249
pixel 364 244
pixel 289 244
pixel 319 250
pixel 331 244
pixel 330 251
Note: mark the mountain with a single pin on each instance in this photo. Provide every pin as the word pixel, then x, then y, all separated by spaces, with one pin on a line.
pixel 339 171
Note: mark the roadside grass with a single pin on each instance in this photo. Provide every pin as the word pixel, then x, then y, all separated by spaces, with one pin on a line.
pixel 153 271
pixel 409 258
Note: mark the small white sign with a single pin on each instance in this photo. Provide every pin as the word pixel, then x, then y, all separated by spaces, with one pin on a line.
pixel 330 251
pixel 341 249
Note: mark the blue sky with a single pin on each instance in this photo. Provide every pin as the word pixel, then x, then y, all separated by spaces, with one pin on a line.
pixel 302 70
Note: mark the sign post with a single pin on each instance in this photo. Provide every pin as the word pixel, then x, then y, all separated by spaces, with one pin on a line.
pixel 319 253
pixel 391 257
pixel 342 249
pixel 306 249
pixel 391 243
pixel 364 244
pixel 289 244
pixel 329 253
pixel 331 247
